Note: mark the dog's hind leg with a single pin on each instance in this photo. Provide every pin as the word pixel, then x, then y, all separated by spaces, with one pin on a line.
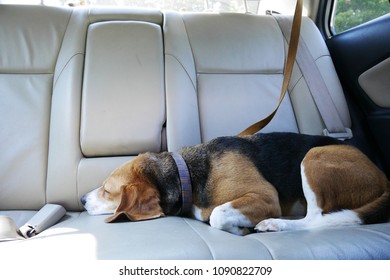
pixel 342 187
pixel 314 217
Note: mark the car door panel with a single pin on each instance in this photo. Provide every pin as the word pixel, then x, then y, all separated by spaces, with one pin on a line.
pixel 362 59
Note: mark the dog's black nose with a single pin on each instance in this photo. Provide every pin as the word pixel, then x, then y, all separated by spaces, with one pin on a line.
pixel 83 200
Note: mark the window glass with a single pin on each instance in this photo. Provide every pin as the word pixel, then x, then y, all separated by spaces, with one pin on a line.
pixel 178 5
pixel 351 13
pixel 238 6
pixel 285 7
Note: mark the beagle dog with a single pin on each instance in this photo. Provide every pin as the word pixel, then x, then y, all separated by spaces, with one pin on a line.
pixel 238 184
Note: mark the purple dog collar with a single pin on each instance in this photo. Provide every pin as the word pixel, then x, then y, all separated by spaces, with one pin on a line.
pixel 185 182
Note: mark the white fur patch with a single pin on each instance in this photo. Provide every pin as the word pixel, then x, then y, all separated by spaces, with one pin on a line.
pixel 197 213
pixel 96 206
pixel 227 218
pixel 314 217
pixel 312 207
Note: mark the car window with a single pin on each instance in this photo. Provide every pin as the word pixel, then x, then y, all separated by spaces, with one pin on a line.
pixel 350 13
pixel 181 5
pixel 237 6
pixel 178 5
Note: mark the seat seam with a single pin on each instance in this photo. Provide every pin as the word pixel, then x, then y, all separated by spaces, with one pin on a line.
pixel 201 237
pixel 264 245
pixel 185 70
pixel 65 66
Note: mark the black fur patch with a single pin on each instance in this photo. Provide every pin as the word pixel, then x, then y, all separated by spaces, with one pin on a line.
pixel 162 171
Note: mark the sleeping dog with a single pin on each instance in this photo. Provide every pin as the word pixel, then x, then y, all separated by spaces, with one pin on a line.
pixel 240 183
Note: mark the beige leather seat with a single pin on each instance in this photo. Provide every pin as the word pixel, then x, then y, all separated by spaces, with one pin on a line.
pixel 224 72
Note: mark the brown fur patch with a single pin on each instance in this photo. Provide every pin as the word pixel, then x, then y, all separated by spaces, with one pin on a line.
pixel 234 178
pixel 343 178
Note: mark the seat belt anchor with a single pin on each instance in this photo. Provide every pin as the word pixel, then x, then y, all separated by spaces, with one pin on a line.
pixel 345 135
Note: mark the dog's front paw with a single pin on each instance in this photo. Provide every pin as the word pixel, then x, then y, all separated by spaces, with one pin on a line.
pixel 271 225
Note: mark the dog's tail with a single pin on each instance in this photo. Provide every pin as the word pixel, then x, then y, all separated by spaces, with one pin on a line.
pixel 378 210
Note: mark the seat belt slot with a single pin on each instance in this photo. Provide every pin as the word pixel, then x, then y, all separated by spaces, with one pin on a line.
pixel 347 134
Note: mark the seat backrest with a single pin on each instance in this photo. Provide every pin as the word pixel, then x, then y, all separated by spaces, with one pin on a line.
pixel 82 90
pixel 224 72
pixel 30 41
pixel 108 100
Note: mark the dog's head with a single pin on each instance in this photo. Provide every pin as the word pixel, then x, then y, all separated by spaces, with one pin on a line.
pixel 127 191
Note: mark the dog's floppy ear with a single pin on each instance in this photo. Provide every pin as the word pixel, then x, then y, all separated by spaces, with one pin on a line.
pixel 139 201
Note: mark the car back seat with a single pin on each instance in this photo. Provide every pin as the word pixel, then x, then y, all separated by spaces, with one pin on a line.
pixel 97 97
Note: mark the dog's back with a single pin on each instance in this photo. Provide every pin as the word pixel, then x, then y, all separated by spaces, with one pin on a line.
pixel 277 157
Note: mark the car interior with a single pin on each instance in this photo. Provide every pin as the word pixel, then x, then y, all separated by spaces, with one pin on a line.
pixel 85 88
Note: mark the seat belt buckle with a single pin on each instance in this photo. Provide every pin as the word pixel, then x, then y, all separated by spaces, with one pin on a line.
pixel 347 134
pixel 49 215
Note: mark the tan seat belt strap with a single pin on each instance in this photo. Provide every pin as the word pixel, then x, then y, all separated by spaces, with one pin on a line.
pixel 288 67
